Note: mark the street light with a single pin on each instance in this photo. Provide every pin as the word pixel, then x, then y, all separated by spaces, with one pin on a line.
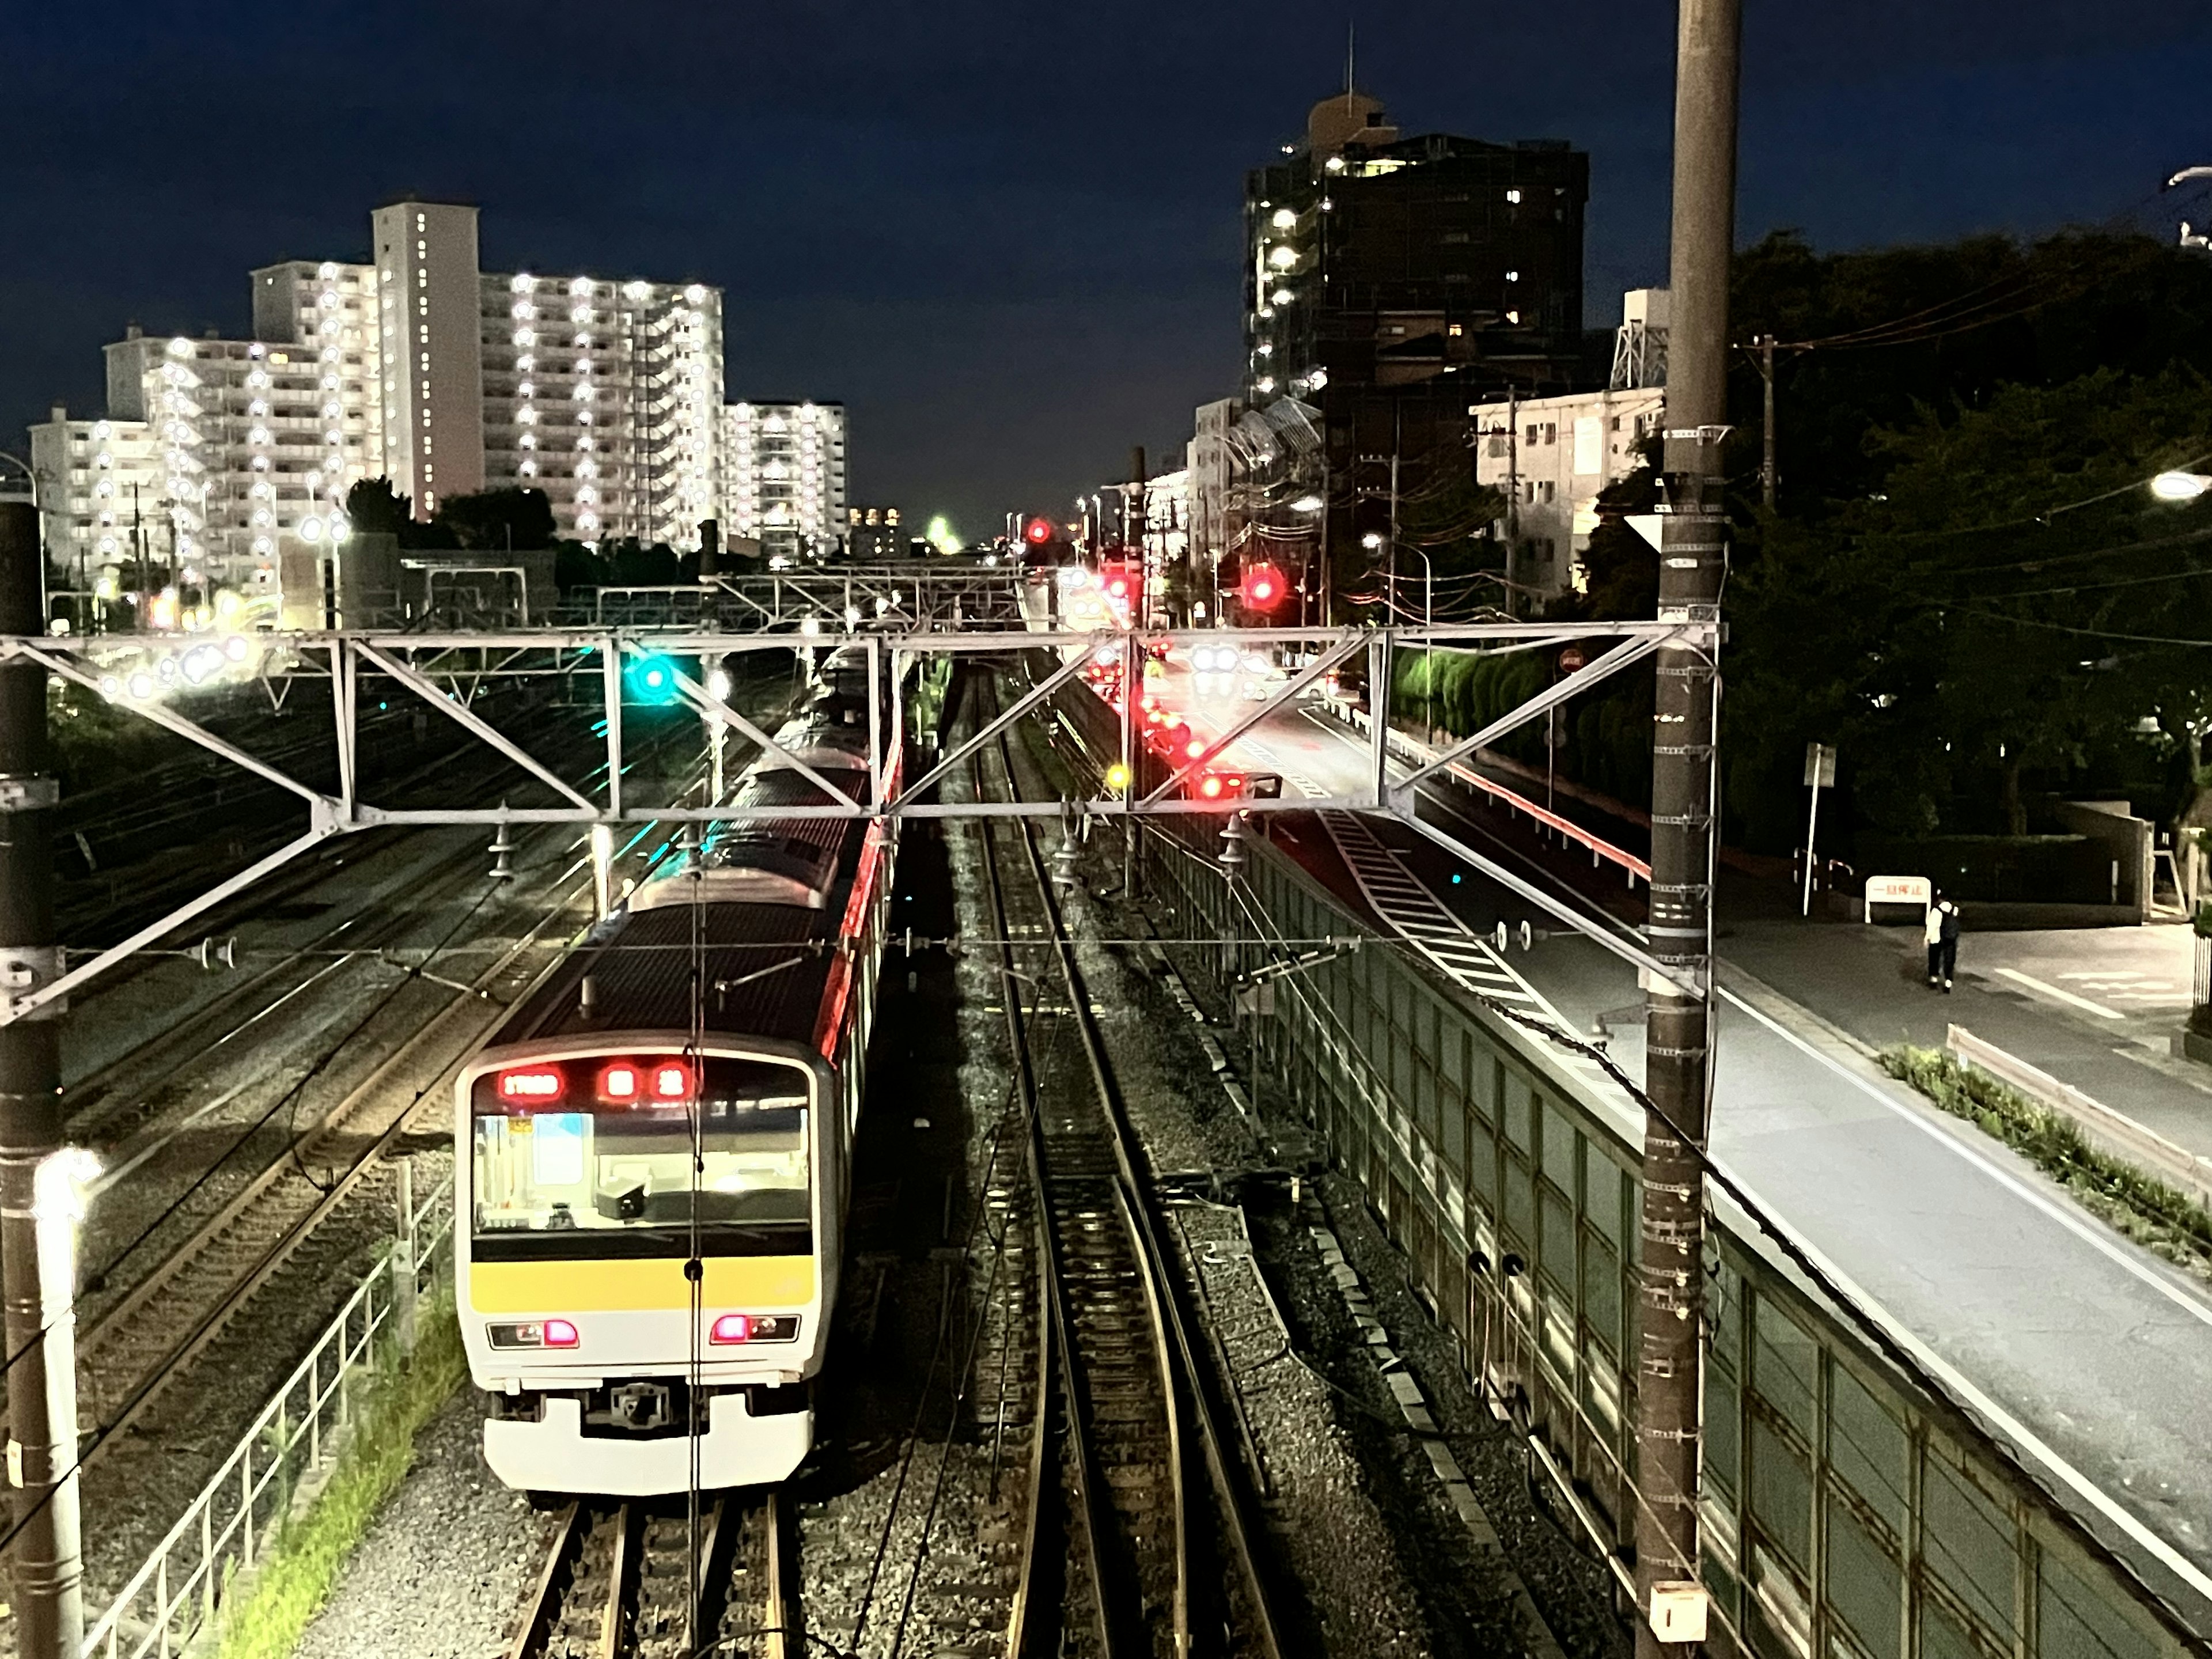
pixel 1307 504
pixel 2179 486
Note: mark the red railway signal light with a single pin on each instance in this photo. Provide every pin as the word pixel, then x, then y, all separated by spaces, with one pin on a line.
pixel 1038 531
pixel 1263 587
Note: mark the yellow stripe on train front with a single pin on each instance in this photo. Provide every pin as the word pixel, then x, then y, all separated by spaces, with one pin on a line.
pixel 557 1287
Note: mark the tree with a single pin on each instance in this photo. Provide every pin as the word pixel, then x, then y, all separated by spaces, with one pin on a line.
pixel 371 504
pixel 495 520
pixel 2001 614
pixel 1939 326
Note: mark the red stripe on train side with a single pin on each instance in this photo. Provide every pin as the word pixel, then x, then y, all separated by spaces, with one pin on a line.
pixel 838 991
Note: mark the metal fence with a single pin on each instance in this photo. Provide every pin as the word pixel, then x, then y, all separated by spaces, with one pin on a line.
pixel 227 1529
pixel 1847 1513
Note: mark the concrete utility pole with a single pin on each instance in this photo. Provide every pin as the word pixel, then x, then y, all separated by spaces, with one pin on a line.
pixel 49 1594
pixel 1693 544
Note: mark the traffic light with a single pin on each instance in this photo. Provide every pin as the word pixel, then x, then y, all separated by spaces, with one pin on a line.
pixel 651 680
pixel 1263 587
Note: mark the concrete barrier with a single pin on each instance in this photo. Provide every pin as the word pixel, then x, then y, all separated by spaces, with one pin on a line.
pixel 2116 1130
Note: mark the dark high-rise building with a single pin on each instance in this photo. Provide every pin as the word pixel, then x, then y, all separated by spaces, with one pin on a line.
pixel 1391 282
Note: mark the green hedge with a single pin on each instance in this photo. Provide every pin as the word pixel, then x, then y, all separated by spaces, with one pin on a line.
pixel 2049 869
pixel 1606 736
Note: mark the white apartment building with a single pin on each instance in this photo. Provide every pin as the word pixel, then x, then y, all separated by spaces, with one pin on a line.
pixel 253 439
pixel 783 476
pixel 429 327
pixel 1550 457
pixel 99 490
pixel 417 366
pixel 608 397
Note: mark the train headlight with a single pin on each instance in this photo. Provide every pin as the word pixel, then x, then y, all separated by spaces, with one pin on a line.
pixel 534 1334
pixel 732 1328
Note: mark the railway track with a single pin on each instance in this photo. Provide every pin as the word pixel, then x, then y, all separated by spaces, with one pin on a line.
pixel 659 1580
pixel 133 1348
pixel 200 1028
pixel 1155 1547
pixel 139 1343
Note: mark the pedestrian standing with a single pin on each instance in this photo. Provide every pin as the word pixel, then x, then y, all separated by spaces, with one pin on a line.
pixel 1942 936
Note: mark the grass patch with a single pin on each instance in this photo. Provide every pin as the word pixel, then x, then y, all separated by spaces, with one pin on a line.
pixel 2161 1219
pixel 302 1564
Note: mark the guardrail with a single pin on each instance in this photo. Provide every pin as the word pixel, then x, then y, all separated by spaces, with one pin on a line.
pixel 1417 753
pixel 183 1583
pixel 2139 1141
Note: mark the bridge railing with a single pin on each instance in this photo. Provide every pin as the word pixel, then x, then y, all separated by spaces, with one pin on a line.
pixel 1847 1512
pixel 180 1591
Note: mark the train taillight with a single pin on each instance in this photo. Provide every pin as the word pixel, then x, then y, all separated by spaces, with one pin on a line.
pixel 672 1080
pixel 619 1082
pixel 732 1328
pixel 532 1084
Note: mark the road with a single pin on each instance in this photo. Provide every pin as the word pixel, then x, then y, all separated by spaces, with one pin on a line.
pixel 2086 1352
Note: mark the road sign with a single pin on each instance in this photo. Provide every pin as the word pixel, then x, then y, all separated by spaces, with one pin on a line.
pixel 1819 766
pixel 1571 659
pixel 1899 890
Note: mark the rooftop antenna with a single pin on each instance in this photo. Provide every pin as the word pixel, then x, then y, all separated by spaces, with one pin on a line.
pixel 1350 40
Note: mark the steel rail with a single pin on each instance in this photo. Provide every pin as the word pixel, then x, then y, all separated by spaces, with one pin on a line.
pixel 1024 1636
pixel 112 1323
pixel 1241 1524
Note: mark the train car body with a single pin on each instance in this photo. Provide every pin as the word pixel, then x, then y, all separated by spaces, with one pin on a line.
pixel 652 1150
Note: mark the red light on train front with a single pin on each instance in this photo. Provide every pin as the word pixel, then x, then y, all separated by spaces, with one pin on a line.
pixel 535 1085
pixel 732 1328
pixel 672 1080
pixel 559 1333
pixel 619 1082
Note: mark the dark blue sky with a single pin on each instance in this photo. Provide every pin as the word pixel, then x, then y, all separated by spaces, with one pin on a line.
pixel 1004 236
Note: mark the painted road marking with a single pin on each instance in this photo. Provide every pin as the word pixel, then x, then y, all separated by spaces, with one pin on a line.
pixel 2050 990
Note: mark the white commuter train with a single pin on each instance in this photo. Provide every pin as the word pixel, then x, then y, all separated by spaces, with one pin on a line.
pixel 653 1149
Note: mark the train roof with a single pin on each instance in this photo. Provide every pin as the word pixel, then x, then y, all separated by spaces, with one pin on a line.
pixel 763 971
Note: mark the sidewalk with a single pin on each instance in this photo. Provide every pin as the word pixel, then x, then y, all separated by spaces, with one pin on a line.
pixel 2094 1007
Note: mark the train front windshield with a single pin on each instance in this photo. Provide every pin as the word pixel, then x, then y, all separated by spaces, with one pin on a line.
pixel 595 1157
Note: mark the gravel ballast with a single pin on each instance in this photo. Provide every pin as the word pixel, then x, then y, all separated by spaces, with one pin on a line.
pixel 445 1565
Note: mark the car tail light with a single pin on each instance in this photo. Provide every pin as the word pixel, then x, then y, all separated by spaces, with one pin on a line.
pixel 672 1080
pixel 532 1084
pixel 730 1329
pixel 619 1082
pixel 1210 787
pixel 1194 748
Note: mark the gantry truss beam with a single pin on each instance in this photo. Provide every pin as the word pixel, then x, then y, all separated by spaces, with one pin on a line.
pixel 446 670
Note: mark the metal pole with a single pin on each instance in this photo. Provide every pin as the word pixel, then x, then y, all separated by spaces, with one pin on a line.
pixel 1766 474
pixel 1812 822
pixel 1512 501
pixel 1693 531
pixel 403 1255
pixel 30 1097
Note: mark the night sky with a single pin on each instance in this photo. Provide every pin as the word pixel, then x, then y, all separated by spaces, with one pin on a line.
pixel 1004 236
